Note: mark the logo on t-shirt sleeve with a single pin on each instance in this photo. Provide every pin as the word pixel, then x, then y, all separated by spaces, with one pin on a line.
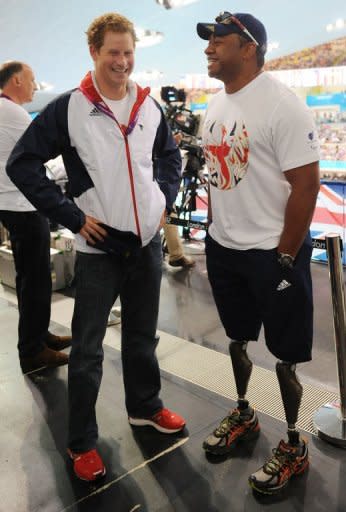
pixel 313 140
pixel 227 153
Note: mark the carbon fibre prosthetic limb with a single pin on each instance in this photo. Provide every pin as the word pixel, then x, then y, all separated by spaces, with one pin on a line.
pixel 291 394
pixel 241 423
pixel 242 368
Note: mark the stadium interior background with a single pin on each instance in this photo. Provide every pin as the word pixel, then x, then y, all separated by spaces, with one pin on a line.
pixel 34 413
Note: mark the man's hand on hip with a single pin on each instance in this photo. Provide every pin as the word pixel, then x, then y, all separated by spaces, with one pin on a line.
pixel 92 230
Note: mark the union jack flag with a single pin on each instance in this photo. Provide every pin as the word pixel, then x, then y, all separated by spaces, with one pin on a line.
pixel 329 216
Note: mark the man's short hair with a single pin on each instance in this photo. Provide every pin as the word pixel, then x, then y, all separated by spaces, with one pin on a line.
pixel 111 21
pixel 8 69
pixel 259 53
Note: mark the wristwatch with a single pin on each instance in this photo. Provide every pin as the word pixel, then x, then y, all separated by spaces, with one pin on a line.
pixel 285 260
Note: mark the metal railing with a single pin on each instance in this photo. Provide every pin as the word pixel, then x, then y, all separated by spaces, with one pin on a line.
pixel 330 419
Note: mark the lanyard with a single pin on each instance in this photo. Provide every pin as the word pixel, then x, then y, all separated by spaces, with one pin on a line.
pixel 2 95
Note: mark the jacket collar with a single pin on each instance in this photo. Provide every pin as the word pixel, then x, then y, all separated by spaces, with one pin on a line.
pixel 138 95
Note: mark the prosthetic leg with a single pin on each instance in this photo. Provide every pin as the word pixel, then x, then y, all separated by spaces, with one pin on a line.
pixel 290 458
pixel 241 424
pixel 242 368
pixel 291 394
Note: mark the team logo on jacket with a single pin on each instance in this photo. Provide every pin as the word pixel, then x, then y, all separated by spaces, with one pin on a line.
pixel 226 151
pixel 95 112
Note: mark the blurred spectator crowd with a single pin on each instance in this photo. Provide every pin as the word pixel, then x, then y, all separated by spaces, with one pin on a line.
pixel 333 141
pixel 328 54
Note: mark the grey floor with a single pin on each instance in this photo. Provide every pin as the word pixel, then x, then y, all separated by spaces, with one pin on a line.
pixel 147 471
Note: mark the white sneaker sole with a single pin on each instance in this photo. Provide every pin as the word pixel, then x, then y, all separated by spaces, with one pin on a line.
pixel 97 476
pixel 142 422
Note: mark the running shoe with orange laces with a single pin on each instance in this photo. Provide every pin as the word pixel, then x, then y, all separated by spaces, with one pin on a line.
pixel 287 461
pixel 164 421
pixel 87 465
pixel 238 426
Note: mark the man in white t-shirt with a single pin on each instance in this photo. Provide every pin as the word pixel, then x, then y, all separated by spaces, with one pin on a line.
pixel 28 230
pixel 262 153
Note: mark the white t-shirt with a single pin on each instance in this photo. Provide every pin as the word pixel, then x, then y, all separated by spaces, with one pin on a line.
pixel 14 120
pixel 121 108
pixel 250 139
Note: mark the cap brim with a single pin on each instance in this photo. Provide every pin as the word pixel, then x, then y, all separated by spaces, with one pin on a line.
pixel 205 30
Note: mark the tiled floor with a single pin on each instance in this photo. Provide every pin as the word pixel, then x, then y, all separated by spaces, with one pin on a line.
pixel 148 471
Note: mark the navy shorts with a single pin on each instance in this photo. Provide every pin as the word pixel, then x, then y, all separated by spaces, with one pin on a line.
pixel 251 288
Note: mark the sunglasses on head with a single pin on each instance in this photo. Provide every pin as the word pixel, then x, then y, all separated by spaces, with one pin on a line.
pixel 226 18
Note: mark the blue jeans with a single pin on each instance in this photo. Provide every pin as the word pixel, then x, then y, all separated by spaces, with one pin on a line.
pixel 100 279
pixel 30 242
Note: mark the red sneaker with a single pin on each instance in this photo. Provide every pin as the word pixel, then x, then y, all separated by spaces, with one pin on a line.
pixel 164 421
pixel 87 465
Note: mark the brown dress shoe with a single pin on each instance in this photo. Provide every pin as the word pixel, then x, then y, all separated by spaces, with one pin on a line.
pixel 184 261
pixel 58 342
pixel 46 358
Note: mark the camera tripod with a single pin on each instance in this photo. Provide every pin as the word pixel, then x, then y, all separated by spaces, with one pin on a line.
pixel 189 195
pixel 186 204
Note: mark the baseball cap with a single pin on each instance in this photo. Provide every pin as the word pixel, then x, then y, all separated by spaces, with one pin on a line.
pixel 243 24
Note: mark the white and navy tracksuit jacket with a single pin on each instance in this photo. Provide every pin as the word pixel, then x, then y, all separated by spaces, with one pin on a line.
pixel 123 175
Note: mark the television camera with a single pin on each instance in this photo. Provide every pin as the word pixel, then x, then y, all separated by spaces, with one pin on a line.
pixel 178 116
pixel 184 121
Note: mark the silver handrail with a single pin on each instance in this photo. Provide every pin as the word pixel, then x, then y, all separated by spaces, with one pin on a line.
pixel 330 419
